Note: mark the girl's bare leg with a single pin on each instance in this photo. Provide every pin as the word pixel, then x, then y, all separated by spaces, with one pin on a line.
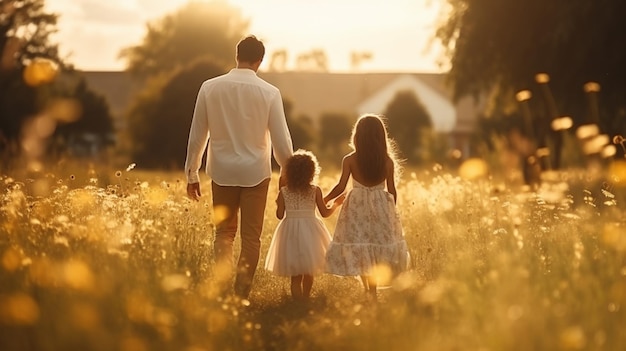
pixel 307 284
pixel 370 286
pixel 296 287
pixel 366 282
pixel 373 289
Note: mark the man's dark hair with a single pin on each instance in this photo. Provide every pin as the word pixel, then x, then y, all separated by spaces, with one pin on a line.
pixel 250 49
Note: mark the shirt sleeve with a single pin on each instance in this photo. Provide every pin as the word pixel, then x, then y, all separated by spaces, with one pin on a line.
pixel 198 139
pixel 282 145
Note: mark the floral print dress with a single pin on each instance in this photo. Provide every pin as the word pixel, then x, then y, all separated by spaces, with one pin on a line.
pixel 368 233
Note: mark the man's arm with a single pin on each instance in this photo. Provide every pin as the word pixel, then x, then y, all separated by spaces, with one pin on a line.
pixel 198 138
pixel 282 146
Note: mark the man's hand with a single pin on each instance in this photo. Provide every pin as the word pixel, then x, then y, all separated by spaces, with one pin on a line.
pixel 193 191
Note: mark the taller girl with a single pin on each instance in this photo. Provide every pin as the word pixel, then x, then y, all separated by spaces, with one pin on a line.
pixel 368 234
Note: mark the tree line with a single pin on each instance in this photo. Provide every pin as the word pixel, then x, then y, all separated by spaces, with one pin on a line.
pixel 177 53
pixel 534 62
pixel 551 71
pixel 41 114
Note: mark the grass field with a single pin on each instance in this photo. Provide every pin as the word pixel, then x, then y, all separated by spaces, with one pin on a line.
pixel 121 260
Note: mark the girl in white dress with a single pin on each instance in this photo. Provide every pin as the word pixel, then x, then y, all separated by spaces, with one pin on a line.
pixel 298 247
pixel 368 234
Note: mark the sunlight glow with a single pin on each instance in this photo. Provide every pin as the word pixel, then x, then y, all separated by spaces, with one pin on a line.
pixel 591 87
pixel 220 213
pixel 398 34
pixel 523 95
pixel 595 144
pixel 77 274
pixel 613 235
pixel 562 123
pixel 18 309
pixel 587 131
pixel 40 71
pixel 608 151
pixel 473 168
pixel 381 274
pixel 11 260
pixel 542 78
pixel 617 173
pixel 173 282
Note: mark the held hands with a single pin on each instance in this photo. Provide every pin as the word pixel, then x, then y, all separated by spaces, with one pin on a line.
pixel 339 200
pixel 193 191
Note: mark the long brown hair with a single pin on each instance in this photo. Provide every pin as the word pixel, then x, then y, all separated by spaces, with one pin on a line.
pixel 301 170
pixel 372 147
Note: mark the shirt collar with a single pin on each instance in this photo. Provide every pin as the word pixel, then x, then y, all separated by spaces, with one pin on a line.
pixel 243 71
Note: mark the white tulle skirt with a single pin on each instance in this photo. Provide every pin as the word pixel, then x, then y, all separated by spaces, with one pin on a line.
pixel 299 245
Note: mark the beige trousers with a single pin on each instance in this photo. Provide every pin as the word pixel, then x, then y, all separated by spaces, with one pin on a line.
pixel 228 202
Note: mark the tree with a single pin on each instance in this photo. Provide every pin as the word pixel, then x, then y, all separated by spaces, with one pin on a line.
pixel 161 118
pixel 358 57
pixel 278 61
pixel 406 119
pixel 30 84
pixel 334 133
pixel 195 43
pixel 498 47
pixel 300 127
pixel 198 29
pixel 91 129
pixel 312 61
pixel 24 31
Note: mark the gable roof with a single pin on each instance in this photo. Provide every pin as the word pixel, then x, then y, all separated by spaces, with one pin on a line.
pixel 315 93
pixel 440 109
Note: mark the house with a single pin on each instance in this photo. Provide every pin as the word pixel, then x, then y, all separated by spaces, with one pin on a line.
pixel 315 93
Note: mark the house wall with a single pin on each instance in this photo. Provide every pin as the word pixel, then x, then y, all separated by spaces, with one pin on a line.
pixel 442 112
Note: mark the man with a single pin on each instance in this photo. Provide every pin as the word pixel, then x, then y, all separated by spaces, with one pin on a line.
pixel 242 119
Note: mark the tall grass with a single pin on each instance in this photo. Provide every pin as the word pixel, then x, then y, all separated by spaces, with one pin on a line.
pixel 121 260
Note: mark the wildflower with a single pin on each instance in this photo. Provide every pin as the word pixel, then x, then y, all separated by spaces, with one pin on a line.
pixel 608 151
pixel 573 338
pixel 542 78
pixel 562 123
pixel 523 95
pixel 587 131
pixel 591 87
pixel 19 309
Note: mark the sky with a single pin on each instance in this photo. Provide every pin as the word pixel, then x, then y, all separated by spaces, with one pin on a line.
pixel 398 33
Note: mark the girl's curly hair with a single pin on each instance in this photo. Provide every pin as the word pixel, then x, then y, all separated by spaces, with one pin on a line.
pixel 301 170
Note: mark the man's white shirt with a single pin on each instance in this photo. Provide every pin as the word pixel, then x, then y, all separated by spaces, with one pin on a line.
pixel 241 117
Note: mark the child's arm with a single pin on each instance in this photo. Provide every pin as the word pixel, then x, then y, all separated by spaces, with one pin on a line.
pixel 280 205
pixel 391 182
pixel 326 211
pixel 343 180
